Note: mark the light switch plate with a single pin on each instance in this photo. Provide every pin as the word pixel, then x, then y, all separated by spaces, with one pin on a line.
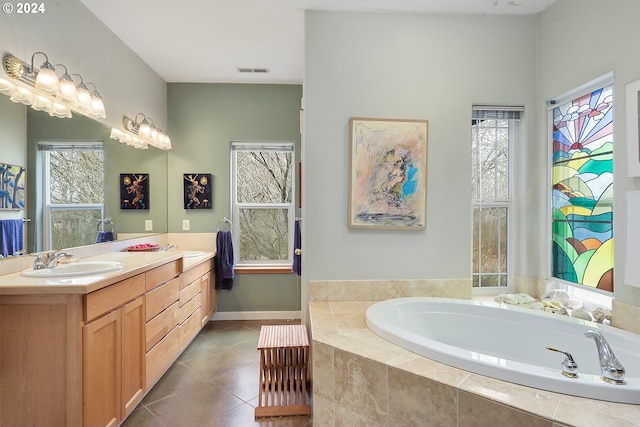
pixel 148 224
pixel 186 224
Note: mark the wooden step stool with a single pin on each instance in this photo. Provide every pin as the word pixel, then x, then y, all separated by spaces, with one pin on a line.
pixel 284 355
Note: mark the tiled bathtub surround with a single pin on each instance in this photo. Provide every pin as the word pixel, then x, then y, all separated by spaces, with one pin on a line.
pixel 625 316
pixel 380 290
pixel 359 379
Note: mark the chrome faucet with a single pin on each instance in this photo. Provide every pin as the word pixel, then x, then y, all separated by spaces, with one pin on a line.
pixel 612 370
pixel 569 365
pixel 48 259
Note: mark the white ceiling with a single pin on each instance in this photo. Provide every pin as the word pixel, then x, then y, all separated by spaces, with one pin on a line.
pixel 206 41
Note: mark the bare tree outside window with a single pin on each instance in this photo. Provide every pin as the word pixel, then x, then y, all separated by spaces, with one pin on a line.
pixel 490 200
pixel 76 195
pixel 264 203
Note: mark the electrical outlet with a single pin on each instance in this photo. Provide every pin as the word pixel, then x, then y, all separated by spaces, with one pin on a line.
pixel 185 224
pixel 148 224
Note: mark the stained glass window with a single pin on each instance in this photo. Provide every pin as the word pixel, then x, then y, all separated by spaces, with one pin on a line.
pixel 582 194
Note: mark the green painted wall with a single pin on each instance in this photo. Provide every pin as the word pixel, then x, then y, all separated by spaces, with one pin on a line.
pixel 203 120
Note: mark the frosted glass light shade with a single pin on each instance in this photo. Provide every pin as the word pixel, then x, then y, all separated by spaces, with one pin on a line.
pixel 40 103
pixel 145 130
pixel 97 106
pixel 22 95
pixel 6 87
pixel 84 98
pixel 60 111
pixel 68 91
pixel 47 80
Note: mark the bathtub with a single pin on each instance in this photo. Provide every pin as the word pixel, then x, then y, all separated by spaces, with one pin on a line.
pixel 508 343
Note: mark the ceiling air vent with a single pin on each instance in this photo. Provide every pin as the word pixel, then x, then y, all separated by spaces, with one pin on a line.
pixel 252 70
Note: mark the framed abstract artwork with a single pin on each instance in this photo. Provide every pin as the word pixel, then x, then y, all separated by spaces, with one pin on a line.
pixel 197 190
pixel 12 186
pixel 134 191
pixel 388 176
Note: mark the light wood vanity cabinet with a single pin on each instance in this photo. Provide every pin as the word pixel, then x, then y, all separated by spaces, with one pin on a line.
pixel 114 365
pixel 208 286
pixel 195 301
pixel 41 360
pixel 113 347
pixel 88 360
pixel 162 338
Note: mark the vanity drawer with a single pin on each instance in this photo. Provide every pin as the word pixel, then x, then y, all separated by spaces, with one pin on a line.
pixel 187 309
pixel 194 273
pixel 162 274
pixel 113 296
pixel 160 325
pixel 161 298
pixel 161 356
pixel 189 292
pixel 190 328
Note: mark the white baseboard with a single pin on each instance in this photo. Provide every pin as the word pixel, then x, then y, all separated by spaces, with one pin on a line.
pixel 255 315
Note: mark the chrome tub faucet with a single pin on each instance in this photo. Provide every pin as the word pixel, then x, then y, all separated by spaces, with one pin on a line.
pixel 612 370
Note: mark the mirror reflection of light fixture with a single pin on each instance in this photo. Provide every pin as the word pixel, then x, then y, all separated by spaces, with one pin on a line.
pixel 144 129
pixel 135 133
pixel 129 139
pixel 22 96
pixel 42 89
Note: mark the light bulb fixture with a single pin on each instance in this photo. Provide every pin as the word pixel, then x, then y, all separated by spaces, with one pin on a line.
pixel 22 96
pixel 68 91
pixel 84 96
pixel 144 129
pixel 6 87
pixel 129 139
pixel 46 77
pixel 40 103
pixel 97 107
pixel 42 89
pixel 135 133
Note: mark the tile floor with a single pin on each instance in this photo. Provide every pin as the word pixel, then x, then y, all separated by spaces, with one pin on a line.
pixel 213 383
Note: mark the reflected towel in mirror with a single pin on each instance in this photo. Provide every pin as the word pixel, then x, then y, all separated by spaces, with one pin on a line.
pixel 11 236
pixel 104 236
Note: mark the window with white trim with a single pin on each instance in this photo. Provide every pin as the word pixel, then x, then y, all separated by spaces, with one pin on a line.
pixel 74 192
pixel 493 131
pixel 262 199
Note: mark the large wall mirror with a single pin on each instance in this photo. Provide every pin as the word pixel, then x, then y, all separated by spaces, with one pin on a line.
pixel 22 133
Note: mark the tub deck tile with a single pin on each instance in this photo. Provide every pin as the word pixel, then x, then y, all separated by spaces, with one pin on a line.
pixel 547 408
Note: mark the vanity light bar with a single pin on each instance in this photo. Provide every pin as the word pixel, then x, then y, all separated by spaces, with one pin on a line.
pixel 129 139
pixel 42 89
pixel 141 134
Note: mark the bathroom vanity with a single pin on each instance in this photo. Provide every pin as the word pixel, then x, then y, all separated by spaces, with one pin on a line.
pixel 84 351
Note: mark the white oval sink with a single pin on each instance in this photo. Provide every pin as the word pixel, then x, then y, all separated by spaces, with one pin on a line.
pixel 73 269
pixel 192 254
